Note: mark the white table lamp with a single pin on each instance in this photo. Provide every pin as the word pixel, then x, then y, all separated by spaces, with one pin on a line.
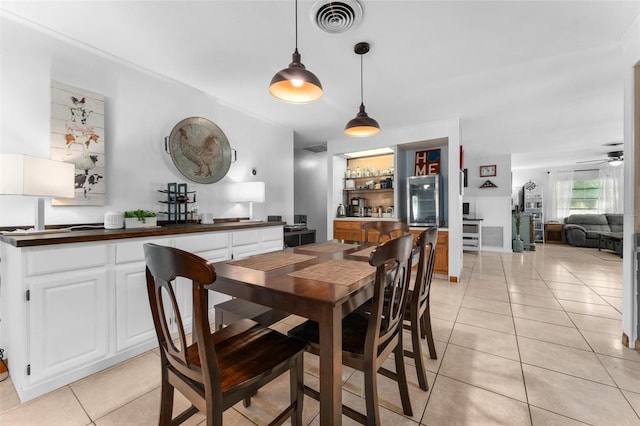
pixel 36 177
pixel 251 192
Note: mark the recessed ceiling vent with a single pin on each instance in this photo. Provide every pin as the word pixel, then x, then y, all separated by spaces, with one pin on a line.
pixel 317 148
pixel 335 17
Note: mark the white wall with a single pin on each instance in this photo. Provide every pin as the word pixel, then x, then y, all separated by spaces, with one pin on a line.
pixel 310 197
pixel 493 205
pixel 631 55
pixel 141 108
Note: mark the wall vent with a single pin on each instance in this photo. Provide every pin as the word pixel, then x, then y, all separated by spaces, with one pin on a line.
pixel 335 17
pixel 492 236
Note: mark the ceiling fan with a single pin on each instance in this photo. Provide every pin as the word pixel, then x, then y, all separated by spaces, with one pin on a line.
pixel 614 158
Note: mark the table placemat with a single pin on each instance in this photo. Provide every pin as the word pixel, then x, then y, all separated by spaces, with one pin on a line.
pixel 364 252
pixel 342 272
pixel 270 261
pixel 329 247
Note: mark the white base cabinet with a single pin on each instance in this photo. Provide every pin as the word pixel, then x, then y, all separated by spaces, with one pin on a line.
pixel 70 310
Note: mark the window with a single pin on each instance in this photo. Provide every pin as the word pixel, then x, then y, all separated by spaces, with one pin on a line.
pixel 585 192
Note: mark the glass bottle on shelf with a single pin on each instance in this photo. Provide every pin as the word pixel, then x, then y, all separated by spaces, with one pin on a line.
pixel 358 172
pixel 347 174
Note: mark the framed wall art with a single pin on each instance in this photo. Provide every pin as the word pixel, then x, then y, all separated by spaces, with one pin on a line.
pixel 77 137
pixel 488 171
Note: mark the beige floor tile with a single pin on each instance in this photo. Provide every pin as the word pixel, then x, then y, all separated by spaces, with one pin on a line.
pixel 548 302
pixel 456 403
pixel 608 344
pixel 485 340
pixel 540 417
pixel 441 329
pixel 488 293
pixel 490 372
pixel 551 316
pixel 575 362
pixel 531 282
pixel 118 385
pixel 497 322
pixel 432 365
pixel 145 410
pixel 443 310
pixel 597 324
pixel 579 297
pixel 567 336
pixel 567 278
pixel 56 408
pixel 634 400
pixel 607 291
pixel 603 282
pixel 487 305
pixel 616 302
pixel 528 289
pixel 579 399
pixel 575 287
pixel 591 309
pixel 8 395
pixel 625 373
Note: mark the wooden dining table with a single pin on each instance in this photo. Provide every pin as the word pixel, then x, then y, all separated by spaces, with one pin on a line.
pixel 322 282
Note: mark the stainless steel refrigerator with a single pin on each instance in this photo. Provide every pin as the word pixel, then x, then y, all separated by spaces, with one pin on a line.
pixel 422 200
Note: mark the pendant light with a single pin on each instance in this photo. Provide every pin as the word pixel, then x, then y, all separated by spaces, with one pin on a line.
pixel 363 125
pixel 296 84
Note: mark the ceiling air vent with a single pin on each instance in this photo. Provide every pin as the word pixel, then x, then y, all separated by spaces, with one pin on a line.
pixel 335 17
pixel 317 148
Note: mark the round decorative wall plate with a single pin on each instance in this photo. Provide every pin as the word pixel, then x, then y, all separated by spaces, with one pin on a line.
pixel 200 150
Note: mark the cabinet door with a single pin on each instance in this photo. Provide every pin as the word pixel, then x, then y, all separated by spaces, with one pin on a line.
pixel 441 264
pixel 134 323
pixel 68 322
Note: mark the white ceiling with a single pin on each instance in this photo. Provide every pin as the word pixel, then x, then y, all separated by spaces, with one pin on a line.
pixel 537 79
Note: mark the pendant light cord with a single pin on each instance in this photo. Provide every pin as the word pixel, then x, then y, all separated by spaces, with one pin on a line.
pixel 361 83
pixel 296 20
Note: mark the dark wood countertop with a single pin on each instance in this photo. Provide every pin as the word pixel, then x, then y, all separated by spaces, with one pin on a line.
pixel 88 235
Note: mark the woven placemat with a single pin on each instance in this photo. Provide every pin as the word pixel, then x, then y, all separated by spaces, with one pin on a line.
pixel 343 272
pixel 365 252
pixel 329 247
pixel 270 261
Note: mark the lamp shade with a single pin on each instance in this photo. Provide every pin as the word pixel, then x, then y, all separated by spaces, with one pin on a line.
pixel 33 176
pixel 250 192
pixel 362 125
pixel 296 84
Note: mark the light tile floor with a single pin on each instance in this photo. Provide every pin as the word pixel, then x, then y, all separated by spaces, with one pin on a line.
pixel 523 339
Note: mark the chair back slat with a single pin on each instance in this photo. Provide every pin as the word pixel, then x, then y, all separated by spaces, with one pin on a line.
pixel 392 260
pixel 164 265
pixel 386 230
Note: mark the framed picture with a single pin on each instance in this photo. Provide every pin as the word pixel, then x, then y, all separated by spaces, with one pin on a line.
pixel 487 171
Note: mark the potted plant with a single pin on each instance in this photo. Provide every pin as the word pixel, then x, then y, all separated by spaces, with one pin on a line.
pixel 139 219
pixel 518 244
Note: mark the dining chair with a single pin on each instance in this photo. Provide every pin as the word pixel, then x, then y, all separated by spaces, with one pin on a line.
pixel 384 228
pixel 418 316
pixel 368 338
pixel 218 369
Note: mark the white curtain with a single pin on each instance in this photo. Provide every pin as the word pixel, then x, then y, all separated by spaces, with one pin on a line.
pixel 611 181
pixel 560 190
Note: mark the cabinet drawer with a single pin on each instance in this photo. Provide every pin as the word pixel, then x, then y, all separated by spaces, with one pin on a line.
pixel 133 251
pixel 199 243
pixel 272 234
pixel 347 225
pixel 240 238
pixel 65 259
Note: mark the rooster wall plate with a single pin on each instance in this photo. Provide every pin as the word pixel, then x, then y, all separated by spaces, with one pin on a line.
pixel 200 150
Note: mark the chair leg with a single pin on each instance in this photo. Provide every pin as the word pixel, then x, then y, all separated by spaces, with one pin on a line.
pixel 401 377
pixel 416 330
pixel 371 395
pixel 166 400
pixel 426 328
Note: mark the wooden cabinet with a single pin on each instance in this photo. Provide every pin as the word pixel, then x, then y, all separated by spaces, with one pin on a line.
pixel 554 233
pixel 441 265
pixel 347 230
pixel 350 230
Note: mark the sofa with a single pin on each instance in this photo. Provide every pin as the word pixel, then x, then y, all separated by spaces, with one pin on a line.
pixel 583 230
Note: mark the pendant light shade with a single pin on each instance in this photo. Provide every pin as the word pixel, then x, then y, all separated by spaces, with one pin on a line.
pixel 363 125
pixel 295 83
